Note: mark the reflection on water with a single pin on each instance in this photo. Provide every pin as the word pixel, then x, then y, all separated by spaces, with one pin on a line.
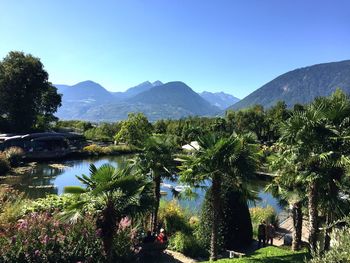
pixel 51 178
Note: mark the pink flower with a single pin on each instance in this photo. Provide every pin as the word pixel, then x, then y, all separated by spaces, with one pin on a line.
pixel 45 240
pixel 125 222
pixel 23 224
pixel 37 253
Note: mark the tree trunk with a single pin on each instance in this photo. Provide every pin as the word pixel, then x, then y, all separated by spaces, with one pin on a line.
pixel 156 181
pixel 109 227
pixel 216 201
pixel 327 237
pixel 313 216
pixel 297 216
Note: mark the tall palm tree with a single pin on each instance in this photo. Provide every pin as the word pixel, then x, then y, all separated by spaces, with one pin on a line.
pixel 231 158
pixel 157 162
pixel 289 188
pixel 319 138
pixel 113 194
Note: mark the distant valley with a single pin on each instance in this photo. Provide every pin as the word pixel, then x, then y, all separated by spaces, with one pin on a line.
pixel 90 101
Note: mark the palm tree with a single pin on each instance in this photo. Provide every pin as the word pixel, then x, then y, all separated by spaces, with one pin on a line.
pixel 289 188
pixel 318 137
pixel 157 161
pixel 217 159
pixel 113 194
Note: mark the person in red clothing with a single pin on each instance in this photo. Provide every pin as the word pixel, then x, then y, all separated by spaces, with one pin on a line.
pixel 162 238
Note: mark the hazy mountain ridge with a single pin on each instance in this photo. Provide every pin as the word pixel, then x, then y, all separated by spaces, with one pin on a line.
pixel 301 85
pixel 85 91
pixel 157 100
pixel 176 94
pixel 219 99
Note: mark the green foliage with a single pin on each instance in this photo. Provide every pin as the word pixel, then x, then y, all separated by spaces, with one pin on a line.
pixel 315 151
pixel 42 238
pixel 340 252
pixel 112 194
pixel 123 244
pixel 11 204
pixel 187 244
pixel 97 150
pixel 230 160
pixel 156 161
pixel 259 214
pixel 103 132
pixel 75 125
pixel 134 130
pixel 27 97
pixel 270 255
pixel 4 164
pixel 174 217
pixel 14 155
pixel 50 203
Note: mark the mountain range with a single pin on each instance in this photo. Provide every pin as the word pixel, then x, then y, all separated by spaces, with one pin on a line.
pixel 88 100
pixel 301 85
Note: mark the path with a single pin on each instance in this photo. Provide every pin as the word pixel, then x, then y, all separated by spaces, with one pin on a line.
pixel 169 256
pixel 286 228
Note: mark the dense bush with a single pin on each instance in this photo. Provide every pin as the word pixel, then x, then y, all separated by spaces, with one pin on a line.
pixel 4 164
pixel 259 214
pixel 78 126
pixel 173 217
pixel 94 149
pixel 42 238
pixel 187 244
pixel 14 155
pixel 11 203
pixel 340 252
pixel 50 203
pixel 124 242
pixel 103 132
pixel 235 228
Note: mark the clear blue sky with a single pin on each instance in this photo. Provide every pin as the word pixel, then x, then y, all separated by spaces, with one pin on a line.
pixel 219 45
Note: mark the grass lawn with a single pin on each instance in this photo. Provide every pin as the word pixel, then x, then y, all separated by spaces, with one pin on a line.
pixel 270 255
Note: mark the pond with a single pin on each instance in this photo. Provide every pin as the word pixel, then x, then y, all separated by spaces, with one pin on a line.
pixel 51 178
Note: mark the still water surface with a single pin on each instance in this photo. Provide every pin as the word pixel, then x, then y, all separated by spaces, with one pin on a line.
pixel 51 178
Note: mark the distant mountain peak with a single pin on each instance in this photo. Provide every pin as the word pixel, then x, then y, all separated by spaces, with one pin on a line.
pixel 176 94
pixel 85 91
pixel 157 83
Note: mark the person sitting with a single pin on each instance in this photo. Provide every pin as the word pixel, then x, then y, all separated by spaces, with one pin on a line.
pixel 162 238
pixel 149 238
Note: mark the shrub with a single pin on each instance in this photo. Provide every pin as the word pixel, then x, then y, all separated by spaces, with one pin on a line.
pixel 42 238
pixel 94 149
pixel 14 155
pixel 4 164
pixel 11 203
pixel 259 214
pixel 173 217
pixel 50 203
pixel 124 241
pixel 235 228
pixel 340 252
pixel 187 244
